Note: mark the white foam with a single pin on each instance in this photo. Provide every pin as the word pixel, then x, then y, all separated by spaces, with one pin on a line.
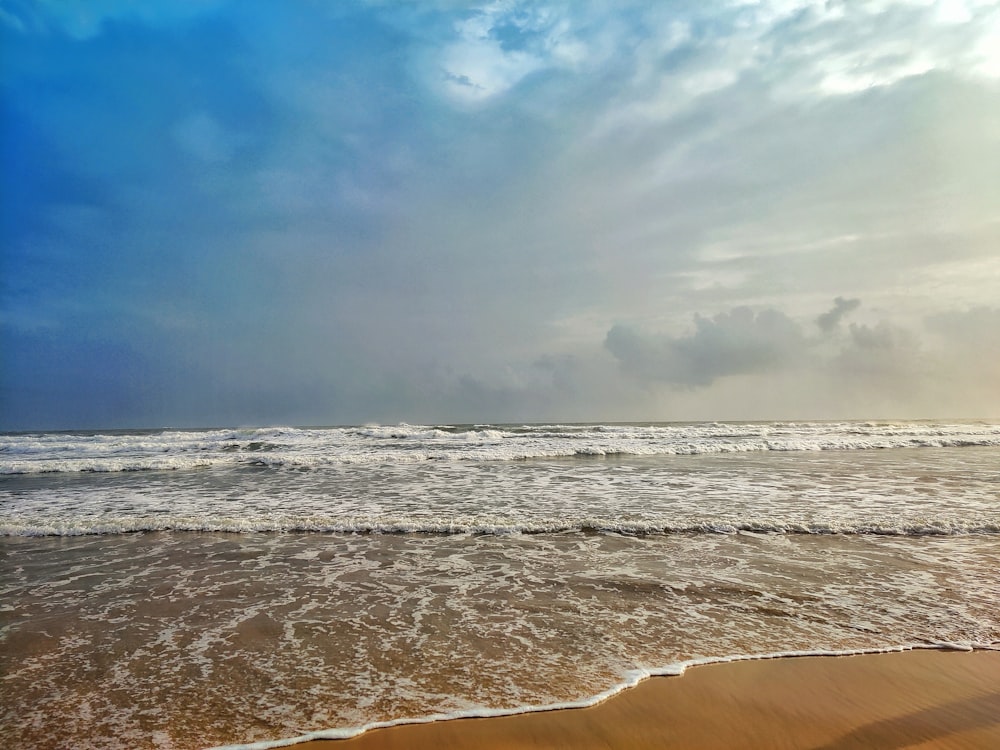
pixel 493 620
pixel 631 679
pixel 375 444
pixel 337 481
pixel 498 526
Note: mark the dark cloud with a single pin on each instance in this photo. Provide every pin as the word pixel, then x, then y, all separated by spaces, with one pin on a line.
pixel 738 342
pixel 829 320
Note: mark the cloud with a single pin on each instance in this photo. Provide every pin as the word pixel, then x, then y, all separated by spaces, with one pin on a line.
pixel 829 320
pixel 737 342
pixel 756 364
pixel 491 48
pixel 478 68
pixel 400 209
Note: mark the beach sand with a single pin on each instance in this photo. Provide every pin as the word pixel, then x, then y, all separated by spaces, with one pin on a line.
pixel 918 699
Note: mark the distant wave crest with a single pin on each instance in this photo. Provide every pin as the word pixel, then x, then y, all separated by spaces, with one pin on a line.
pixel 285 447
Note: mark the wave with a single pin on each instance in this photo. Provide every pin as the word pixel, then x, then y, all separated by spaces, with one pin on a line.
pixel 497 526
pixel 318 448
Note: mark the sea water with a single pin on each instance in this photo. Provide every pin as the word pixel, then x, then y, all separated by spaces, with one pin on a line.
pixel 194 588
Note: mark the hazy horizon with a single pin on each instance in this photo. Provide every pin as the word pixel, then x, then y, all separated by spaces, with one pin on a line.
pixel 250 214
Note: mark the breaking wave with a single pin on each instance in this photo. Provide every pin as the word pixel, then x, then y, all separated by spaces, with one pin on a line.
pixel 318 448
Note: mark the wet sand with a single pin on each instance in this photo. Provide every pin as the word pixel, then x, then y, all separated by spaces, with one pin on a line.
pixel 920 699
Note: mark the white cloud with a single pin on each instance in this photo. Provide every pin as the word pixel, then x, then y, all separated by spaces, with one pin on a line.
pixel 476 70
pixel 802 51
pixel 984 50
pixel 501 44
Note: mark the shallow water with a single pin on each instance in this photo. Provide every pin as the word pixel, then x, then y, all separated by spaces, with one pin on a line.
pixel 168 637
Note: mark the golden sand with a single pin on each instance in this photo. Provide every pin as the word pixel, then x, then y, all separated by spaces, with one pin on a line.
pixel 920 699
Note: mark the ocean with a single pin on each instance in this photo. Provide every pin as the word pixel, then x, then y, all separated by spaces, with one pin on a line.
pixel 251 587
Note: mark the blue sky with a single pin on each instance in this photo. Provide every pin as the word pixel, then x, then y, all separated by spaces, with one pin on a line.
pixel 258 212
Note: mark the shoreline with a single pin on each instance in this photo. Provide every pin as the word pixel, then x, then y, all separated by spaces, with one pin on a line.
pixel 927 697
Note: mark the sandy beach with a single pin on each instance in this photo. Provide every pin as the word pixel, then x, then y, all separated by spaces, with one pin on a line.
pixel 919 699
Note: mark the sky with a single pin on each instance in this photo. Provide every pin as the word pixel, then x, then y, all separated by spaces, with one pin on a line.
pixel 261 212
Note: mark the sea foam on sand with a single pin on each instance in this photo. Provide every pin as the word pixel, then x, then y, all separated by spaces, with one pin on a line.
pixel 920 698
